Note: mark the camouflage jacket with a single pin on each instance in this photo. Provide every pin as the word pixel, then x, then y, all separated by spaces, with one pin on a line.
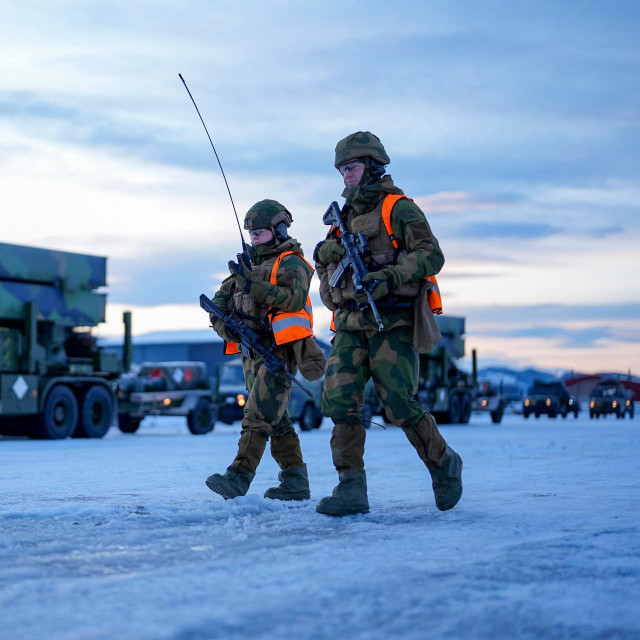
pixel 293 279
pixel 419 256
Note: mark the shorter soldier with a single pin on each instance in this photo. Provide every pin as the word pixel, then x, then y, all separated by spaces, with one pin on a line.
pixel 271 297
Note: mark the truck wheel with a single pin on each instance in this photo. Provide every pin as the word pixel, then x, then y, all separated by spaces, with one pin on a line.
pixel 200 420
pixel 308 417
pixel 127 423
pixel 496 416
pixel 96 413
pixel 455 409
pixel 59 417
pixel 526 416
pixel 465 411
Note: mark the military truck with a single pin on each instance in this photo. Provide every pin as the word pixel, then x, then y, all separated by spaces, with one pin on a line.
pixel 610 396
pixel 168 389
pixel 54 380
pixel 232 391
pixel 549 397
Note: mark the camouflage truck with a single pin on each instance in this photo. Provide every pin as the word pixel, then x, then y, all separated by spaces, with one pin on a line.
pixel 168 389
pixel 54 380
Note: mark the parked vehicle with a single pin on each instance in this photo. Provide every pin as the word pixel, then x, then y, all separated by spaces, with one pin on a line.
pixel 610 396
pixel 489 399
pixel 551 398
pixel 232 391
pixel 55 381
pixel 168 389
pixel 304 410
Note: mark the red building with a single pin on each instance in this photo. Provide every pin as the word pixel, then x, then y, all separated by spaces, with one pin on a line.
pixel 582 386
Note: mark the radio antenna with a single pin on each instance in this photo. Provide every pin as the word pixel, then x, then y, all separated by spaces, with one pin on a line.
pixel 244 246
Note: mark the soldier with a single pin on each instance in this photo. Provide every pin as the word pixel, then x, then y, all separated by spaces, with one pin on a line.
pixel 403 253
pixel 271 298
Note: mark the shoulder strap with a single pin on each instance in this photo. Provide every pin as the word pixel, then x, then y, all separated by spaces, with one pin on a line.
pixel 276 264
pixel 387 206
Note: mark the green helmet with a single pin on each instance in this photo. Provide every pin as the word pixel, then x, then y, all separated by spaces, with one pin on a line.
pixel 269 214
pixel 359 145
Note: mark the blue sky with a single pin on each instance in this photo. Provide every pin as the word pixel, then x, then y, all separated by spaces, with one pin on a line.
pixel 514 125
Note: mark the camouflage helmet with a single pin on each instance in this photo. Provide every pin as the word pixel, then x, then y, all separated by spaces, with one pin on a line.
pixel 359 145
pixel 267 214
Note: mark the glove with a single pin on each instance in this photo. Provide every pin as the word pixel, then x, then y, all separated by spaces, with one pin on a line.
pixel 242 274
pixel 328 251
pixel 222 331
pixel 381 289
pixel 247 281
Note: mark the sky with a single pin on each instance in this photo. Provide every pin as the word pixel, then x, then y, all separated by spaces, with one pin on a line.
pixel 513 125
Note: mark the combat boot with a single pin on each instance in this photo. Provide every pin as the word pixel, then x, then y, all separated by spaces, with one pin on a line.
pixel 294 485
pixel 447 480
pixel 348 498
pixel 233 483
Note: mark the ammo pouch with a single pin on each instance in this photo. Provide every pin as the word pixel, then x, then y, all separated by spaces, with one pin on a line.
pixel 309 358
pixel 426 333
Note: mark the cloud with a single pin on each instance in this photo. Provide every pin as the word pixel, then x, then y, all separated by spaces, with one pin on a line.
pixel 515 230
pixel 461 201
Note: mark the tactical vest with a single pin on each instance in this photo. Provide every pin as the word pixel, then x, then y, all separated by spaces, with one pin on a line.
pixel 385 250
pixel 285 326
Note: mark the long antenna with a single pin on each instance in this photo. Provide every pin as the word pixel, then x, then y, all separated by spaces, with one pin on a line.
pixel 244 246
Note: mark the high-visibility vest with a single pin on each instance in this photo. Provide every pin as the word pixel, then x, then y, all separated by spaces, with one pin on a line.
pixel 287 326
pixel 433 294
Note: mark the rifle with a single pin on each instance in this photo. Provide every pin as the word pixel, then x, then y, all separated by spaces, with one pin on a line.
pixel 356 248
pixel 250 341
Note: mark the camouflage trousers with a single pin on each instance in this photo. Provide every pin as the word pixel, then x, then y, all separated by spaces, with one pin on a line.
pixel 266 417
pixel 390 358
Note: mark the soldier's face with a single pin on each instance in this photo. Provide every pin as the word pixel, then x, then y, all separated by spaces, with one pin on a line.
pixel 260 236
pixel 352 172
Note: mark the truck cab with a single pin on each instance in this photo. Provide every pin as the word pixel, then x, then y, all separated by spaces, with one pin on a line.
pixel 549 398
pixel 610 396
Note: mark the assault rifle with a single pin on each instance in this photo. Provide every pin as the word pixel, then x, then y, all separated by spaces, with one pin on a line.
pixel 250 341
pixel 356 248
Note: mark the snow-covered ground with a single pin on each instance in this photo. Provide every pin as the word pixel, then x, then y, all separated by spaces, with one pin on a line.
pixel 120 538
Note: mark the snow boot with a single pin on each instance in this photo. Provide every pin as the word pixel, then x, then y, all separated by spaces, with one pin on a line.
pixel 294 485
pixel 348 498
pixel 235 482
pixel 447 480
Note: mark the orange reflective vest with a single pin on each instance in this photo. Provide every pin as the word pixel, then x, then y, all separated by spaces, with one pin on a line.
pixel 287 326
pixel 433 295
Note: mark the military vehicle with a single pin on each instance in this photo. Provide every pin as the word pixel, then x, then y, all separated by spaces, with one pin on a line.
pixel 610 396
pixel 54 380
pixel 168 389
pixel 551 398
pixel 303 409
pixel 232 391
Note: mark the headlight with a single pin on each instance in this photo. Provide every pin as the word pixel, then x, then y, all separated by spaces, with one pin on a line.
pixel 241 400
pixel 548 403
pixel 570 401
pixel 484 403
pixel 526 402
pixel 166 402
pixel 592 404
pixel 628 403
pixel 614 404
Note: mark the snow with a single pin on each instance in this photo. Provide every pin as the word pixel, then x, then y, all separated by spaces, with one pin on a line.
pixel 120 538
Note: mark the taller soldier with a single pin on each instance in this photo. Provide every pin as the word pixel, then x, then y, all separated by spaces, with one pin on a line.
pixel 404 253
pixel 272 298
